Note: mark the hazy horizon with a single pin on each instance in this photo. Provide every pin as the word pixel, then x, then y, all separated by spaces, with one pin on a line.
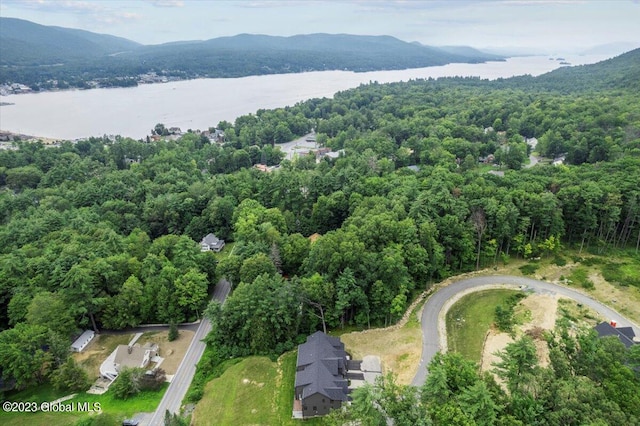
pixel 542 26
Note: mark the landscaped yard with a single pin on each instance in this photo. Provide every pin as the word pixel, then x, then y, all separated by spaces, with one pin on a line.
pixel 255 391
pixel 470 318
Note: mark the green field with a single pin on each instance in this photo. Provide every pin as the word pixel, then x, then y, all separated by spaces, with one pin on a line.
pixel 226 251
pixel 470 318
pixel 256 391
pixel 145 401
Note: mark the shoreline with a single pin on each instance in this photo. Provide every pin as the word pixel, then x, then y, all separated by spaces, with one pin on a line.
pixel 177 79
pixel 203 102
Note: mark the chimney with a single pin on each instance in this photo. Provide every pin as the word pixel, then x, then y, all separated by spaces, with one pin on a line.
pixel 613 323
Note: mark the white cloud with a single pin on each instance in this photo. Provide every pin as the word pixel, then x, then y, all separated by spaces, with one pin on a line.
pixel 86 11
pixel 166 3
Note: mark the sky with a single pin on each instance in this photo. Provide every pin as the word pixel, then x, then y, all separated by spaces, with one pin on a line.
pixel 537 25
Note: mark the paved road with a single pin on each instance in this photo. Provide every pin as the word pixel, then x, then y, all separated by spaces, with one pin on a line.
pixel 436 302
pixel 182 380
pixel 297 145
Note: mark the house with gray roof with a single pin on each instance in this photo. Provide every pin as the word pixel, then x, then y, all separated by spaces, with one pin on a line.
pixel 131 356
pixel 321 376
pixel 625 334
pixel 211 243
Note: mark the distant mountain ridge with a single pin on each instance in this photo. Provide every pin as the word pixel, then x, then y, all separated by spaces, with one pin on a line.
pixel 35 54
pixel 27 43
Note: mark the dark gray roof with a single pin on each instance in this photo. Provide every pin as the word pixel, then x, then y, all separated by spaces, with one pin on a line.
pixel 320 346
pixel 321 366
pixel 625 334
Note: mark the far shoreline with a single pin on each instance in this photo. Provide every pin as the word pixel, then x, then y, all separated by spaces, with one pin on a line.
pixel 178 79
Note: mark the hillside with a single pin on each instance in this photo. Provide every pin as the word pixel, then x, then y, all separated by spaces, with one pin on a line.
pixel 27 43
pixel 620 72
pixel 35 55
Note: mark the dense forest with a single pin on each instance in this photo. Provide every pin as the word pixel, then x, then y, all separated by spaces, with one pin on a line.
pixel 104 234
pixel 46 58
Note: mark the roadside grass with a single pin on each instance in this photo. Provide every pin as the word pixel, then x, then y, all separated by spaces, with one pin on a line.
pixel 145 401
pixel 577 313
pixel 470 318
pixel 625 273
pixel 255 391
pixel 611 277
pixel 580 276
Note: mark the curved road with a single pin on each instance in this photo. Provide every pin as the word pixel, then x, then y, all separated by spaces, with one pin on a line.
pixel 437 301
pixel 533 160
pixel 180 383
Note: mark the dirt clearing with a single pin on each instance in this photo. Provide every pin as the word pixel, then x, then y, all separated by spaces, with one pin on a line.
pixel 539 312
pixel 172 352
pixel 98 350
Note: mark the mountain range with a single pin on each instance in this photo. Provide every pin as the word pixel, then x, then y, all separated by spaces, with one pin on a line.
pixel 33 54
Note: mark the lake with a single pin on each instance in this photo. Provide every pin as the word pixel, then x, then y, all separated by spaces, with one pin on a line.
pixel 203 103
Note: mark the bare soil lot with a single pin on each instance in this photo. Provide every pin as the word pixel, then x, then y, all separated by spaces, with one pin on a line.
pixel 172 352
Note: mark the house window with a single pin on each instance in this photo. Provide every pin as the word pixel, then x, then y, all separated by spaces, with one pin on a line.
pixel 322 399
pixel 315 408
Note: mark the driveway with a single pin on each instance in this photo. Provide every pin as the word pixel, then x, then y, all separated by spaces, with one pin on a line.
pixel 431 336
pixel 370 368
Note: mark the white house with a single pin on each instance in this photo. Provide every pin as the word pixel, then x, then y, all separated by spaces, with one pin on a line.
pixel 211 242
pixel 81 342
pixel 127 356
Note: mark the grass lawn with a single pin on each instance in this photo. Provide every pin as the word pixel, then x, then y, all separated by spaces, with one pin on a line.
pixel 255 391
pixel 146 401
pixel 226 251
pixel 470 318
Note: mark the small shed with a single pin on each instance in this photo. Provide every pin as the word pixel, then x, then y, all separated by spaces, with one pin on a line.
pixel 81 342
